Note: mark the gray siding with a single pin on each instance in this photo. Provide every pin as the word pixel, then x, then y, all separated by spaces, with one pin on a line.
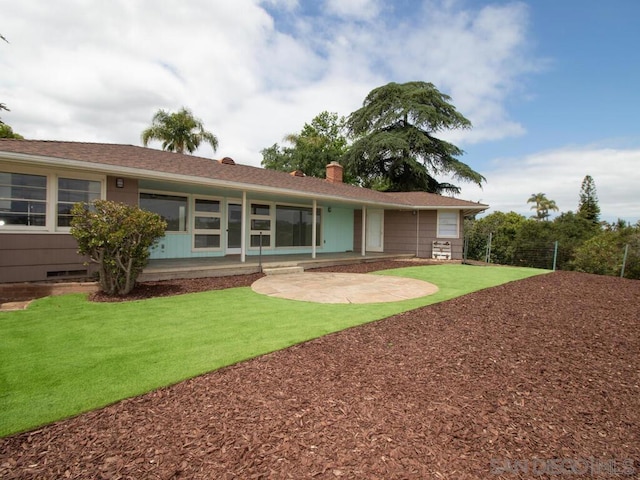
pixel 405 232
pixel 128 194
pixel 33 257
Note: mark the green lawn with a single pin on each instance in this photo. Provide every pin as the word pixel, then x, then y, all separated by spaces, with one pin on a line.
pixel 65 355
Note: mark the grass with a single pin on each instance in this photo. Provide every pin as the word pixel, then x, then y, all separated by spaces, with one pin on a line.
pixel 65 355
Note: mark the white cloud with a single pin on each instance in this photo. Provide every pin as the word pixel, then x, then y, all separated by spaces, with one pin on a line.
pixel 475 56
pixel 559 174
pixel 97 72
pixel 356 9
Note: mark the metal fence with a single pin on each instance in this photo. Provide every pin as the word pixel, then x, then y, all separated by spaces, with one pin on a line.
pixel 545 255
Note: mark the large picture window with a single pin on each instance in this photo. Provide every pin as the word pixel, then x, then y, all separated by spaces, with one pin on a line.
pixel 448 224
pixel 172 209
pixel 294 226
pixel 71 191
pixel 23 199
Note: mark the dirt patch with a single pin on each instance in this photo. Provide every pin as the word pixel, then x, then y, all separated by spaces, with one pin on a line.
pixel 532 379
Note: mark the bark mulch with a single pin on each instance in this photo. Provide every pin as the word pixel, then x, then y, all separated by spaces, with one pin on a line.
pixel 537 378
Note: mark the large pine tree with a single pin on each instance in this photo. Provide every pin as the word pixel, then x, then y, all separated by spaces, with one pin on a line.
pixel 395 147
pixel 588 207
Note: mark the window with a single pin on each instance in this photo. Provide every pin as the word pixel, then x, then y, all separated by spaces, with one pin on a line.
pixel 206 224
pixel 260 225
pixel 294 226
pixel 171 208
pixel 448 224
pixel 23 199
pixel 71 191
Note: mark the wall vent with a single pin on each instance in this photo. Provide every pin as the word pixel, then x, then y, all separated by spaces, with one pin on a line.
pixel 67 273
pixel 227 161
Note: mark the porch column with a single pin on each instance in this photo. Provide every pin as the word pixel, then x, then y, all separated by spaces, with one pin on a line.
pixel 243 228
pixel 314 229
pixel 364 231
pixel 417 233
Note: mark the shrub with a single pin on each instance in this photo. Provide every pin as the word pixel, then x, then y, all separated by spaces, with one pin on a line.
pixel 604 253
pixel 117 237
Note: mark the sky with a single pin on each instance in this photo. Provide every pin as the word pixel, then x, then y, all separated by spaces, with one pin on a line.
pixel 550 86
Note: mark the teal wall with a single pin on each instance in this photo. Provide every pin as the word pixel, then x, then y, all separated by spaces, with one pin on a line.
pixel 337 236
pixel 338 230
pixel 178 245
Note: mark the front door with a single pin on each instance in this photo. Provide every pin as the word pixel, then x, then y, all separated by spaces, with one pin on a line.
pixel 375 230
pixel 234 228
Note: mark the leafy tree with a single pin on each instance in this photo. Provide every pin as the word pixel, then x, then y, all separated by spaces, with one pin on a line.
pixel 533 244
pixel 571 230
pixel 588 207
pixel 542 206
pixel 318 144
pixel 7 132
pixel 117 237
pixel 503 228
pixel 395 148
pixel 178 131
pixel 603 254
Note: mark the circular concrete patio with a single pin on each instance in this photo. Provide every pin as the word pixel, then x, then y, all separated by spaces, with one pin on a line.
pixel 325 287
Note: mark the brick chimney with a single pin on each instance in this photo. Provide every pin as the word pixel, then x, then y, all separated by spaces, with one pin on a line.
pixel 334 172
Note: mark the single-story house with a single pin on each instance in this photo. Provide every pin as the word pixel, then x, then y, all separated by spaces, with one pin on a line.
pixel 213 208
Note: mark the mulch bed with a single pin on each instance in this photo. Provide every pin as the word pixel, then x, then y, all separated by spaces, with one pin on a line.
pixel 537 378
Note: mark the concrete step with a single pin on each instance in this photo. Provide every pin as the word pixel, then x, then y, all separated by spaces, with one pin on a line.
pixel 282 270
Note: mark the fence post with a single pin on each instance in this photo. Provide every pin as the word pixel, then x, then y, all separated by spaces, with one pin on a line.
pixel 488 257
pixel 624 260
pixel 555 254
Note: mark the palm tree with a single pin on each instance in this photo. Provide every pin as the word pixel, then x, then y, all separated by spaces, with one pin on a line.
pixel 542 205
pixel 178 131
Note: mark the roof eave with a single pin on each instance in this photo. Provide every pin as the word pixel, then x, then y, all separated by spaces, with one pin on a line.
pixel 139 173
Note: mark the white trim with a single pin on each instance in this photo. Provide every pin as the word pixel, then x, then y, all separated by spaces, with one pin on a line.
pixel 82 176
pixel 364 231
pixel 314 227
pixel 439 234
pixel 243 228
pixel 51 202
pixel 121 171
pixel 227 249
pixel 378 235
pixel 195 231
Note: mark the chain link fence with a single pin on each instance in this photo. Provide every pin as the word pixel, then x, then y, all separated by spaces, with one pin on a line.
pixel 549 255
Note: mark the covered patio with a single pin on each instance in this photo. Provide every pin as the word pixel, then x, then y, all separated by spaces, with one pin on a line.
pixel 168 269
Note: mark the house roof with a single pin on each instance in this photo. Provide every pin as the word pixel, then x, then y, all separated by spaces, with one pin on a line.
pixel 141 162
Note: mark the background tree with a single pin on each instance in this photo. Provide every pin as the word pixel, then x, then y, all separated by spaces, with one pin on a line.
pixel 542 206
pixel 395 148
pixel 588 207
pixel 603 254
pixel 117 237
pixel 318 144
pixel 503 227
pixel 178 131
pixel 7 132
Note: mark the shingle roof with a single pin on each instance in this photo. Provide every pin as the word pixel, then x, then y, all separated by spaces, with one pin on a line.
pixel 149 163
